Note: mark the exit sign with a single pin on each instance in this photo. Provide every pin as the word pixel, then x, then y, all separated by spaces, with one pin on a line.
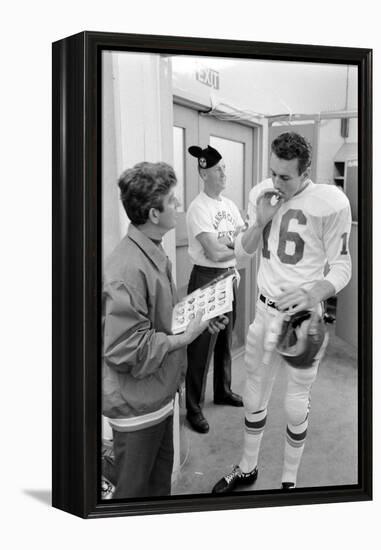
pixel 209 77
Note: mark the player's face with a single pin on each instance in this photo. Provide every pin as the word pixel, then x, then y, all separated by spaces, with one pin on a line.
pixel 167 218
pixel 215 177
pixel 285 175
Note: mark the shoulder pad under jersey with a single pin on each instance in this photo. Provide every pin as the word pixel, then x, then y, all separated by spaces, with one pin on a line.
pixel 325 199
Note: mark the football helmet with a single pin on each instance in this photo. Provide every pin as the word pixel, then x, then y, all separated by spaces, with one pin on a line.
pixel 301 338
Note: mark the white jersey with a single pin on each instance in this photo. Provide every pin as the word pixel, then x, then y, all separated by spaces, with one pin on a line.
pixel 308 234
pixel 207 215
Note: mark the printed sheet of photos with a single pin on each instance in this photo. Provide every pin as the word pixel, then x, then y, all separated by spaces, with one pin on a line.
pixel 213 300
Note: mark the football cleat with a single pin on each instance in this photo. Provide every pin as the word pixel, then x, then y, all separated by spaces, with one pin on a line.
pixel 288 486
pixel 235 478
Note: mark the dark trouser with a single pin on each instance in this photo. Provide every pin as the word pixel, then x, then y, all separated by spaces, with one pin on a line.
pixel 144 461
pixel 201 349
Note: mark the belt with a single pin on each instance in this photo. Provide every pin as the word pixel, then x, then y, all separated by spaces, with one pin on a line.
pixel 216 270
pixel 267 301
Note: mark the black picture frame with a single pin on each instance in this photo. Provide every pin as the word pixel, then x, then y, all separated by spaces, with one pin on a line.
pixel 76 153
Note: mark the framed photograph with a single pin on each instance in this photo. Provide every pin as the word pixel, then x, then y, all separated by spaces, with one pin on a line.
pixel 176 161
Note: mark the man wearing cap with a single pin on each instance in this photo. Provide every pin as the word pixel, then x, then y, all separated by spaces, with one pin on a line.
pixel 212 223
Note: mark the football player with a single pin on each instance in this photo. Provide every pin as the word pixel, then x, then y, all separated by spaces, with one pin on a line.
pixel 297 227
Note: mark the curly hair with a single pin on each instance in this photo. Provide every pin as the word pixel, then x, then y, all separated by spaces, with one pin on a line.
pixel 289 146
pixel 143 187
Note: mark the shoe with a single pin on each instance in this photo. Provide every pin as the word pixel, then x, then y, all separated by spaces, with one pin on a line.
pixel 229 399
pixel 328 318
pixel 107 489
pixel 288 486
pixel 236 477
pixel 198 422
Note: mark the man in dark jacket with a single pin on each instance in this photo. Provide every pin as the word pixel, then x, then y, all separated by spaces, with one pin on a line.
pixel 143 363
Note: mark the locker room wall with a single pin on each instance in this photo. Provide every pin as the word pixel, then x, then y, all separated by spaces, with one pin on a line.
pixel 137 126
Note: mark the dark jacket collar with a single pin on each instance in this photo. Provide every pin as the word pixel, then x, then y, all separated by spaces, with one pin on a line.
pixel 154 252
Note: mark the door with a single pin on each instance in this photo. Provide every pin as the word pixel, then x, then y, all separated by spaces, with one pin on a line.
pixel 236 144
